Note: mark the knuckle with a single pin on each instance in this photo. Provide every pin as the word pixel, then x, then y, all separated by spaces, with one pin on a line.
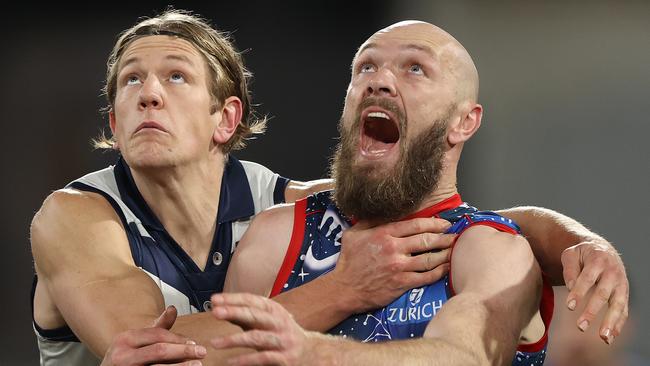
pixel 273 341
pixel 381 231
pixel 426 241
pixel 603 293
pixel 256 336
pixel 591 275
pixel 189 351
pixel 394 266
pixel 619 304
pixel 417 225
pixel 430 263
pixel 384 246
pixel 590 313
pixel 159 350
pixel 598 260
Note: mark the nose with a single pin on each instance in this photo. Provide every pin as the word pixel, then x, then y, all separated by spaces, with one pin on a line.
pixel 151 94
pixel 382 84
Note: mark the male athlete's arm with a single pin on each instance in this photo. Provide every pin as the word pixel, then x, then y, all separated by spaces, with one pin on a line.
pixel 84 264
pixel 358 282
pixel 498 284
pixel 568 253
pixel 143 347
pixel 588 262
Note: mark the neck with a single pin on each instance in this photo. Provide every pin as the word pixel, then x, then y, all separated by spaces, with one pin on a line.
pixel 446 187
pixel 186 201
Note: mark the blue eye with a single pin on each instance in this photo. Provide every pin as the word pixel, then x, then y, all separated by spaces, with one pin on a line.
pixel 132 80
pixel 416 69
pixel 367 68
pixel 177 78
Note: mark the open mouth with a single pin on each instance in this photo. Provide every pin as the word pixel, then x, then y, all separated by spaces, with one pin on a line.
pixel 379 132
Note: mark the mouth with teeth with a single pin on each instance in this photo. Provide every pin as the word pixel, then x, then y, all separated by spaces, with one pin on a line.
pixel 379 133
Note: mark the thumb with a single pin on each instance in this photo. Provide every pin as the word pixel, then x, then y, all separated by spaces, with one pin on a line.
pixel 571 265
pixel 167 318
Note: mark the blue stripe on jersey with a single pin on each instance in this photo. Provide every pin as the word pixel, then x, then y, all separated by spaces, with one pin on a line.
pixel 278 192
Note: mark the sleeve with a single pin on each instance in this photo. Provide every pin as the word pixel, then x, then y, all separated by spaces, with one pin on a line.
pixel 486 218
pixel 267 187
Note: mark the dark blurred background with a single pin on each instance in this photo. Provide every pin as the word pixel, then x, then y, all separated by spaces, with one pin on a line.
pixel 564 86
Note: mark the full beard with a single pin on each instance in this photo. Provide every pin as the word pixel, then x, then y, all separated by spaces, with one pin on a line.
pixel 366 193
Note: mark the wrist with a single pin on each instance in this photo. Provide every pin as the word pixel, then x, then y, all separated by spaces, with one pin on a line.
pixel 322 349
pixel 347 299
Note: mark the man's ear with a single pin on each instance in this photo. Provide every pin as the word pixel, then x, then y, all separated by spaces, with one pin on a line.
pixel 111 124
pixel 467 125
pixel 231 114
pixel 111 121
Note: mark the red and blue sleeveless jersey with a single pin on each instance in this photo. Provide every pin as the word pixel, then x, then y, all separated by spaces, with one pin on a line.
pixel 315 246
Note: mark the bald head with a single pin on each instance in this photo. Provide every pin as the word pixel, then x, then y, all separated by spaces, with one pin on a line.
pixel 452 57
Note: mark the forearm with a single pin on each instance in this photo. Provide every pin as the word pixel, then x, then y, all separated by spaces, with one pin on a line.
pixel 330 350
pixel 549 234
pixel 203 327
pixel 318 305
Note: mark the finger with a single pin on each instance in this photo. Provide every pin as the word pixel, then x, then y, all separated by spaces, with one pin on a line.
pixel 259 358
pixel 417 226
pixel 570 266
pixel 187 363
pixel 246 316
pixel 583 284
pixel 147 336
pixel 419 279
pixel 257 339
pixel 599 297
pixel 615 316
pixel 426 242
pixel 621 322
pixel 426 261
pixel 167 318
pixel 242 299
pixel 167 352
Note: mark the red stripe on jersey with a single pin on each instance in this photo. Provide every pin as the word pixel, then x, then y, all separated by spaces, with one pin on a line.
pixel 447 204
pixel 431 211
pixel 297 236
pixel 546 306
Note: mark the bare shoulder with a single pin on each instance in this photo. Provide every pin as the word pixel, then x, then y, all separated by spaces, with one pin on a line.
pixel 485 258
pixel 274 222
pixel 72 221
pixel 261 251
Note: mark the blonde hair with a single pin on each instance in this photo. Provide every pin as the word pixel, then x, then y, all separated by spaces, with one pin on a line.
pixel 228 76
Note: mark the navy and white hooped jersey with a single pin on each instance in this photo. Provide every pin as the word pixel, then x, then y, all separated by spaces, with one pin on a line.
pixel 315 246
pixel 246 189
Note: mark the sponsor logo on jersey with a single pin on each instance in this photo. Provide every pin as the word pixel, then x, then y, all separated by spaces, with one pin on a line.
pixel 418 310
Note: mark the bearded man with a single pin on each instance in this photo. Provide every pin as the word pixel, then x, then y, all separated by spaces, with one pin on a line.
pixel 411 105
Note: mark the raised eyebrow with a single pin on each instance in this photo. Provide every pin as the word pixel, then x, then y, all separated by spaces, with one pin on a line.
pixel 360 51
